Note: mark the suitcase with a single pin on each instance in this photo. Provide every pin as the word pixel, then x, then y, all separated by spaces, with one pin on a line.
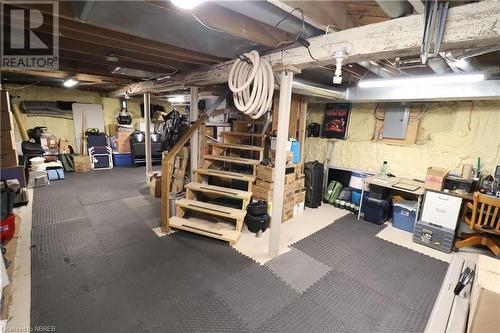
pixel 314 183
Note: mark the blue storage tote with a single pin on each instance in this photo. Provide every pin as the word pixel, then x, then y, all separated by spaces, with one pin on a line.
pixel 296 151
pixel 55 173
pixel 376 210
pixel 123 160
pixel 403 215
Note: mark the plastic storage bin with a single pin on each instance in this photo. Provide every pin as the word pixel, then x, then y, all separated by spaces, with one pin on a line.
pixel 123 160
pixel 376 210
pixel 296 151
pixel 403 215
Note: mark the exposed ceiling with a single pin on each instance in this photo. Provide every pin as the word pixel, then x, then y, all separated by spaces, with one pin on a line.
pixel 109 44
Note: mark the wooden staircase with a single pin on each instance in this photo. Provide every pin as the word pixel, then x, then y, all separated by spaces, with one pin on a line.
pixel 217 198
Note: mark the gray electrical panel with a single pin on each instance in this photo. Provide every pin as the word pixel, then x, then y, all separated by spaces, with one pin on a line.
pixel 396 121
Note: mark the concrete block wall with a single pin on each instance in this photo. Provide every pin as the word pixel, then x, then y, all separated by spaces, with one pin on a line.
pixel 446 138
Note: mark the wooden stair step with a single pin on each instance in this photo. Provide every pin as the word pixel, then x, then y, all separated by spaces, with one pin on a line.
pixel 228 192
pixel 238 160
pixel 211 209
pixel 225 174
pixel 236 146
pixel 205 228
pixel 230 133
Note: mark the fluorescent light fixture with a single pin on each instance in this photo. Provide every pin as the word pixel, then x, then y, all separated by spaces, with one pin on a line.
pixel 176 99
pixel 421 80
pixel 187 4
pixel 70 83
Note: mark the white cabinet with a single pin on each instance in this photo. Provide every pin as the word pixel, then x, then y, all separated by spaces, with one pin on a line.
pixel 441 209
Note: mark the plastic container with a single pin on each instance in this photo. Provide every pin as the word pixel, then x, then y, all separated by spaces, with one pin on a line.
pixel 123 160
pixel 37 178
pixel 355 197
pixel 376 211
pixel 296 151
pixel 55 174
pixel 8 227
pixel 403 215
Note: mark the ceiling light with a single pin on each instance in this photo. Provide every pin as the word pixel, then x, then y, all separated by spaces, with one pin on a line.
pixel 70 83
pixel 421 80
pixel 187 4
pixel 176 99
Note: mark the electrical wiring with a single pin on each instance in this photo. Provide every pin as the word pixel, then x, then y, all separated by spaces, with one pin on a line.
pixel 289 14
pixel 252 84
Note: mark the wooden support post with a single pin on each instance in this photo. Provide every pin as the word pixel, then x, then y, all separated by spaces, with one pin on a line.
pixel 193 107
pixel 286 78
pixel 165 190
pixel 147 137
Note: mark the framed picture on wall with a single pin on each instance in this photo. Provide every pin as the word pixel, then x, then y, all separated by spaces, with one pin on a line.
pixel 336 121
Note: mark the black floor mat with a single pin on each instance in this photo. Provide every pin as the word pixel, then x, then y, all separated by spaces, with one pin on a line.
pixel 98 267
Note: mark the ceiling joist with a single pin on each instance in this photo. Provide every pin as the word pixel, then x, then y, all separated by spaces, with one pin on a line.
pixel 467 27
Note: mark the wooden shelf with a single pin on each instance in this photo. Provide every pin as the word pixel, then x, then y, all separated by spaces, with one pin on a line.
pixel 206 228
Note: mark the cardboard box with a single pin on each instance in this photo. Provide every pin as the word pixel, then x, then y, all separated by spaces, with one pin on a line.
pixel 264 184
pixel 299 208
pixel 434 179
pixel 16 172
pixel 261 193
pixel 82 163
pixel 123 142
pixel 155 186
pixel 7 140
pixel 300 195
pixel 8 158
pixel 289 157
pixel 64 146
pixel 485 297
pixel 267 173
pixel 6 121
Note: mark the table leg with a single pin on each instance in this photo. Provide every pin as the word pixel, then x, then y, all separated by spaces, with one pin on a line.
pixel 417 212
pixel 361 201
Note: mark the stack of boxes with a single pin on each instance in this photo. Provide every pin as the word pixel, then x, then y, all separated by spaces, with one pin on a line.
pixel 294 191
pixel 8 155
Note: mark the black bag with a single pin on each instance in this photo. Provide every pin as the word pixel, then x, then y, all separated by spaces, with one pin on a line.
pixel 314 183
pixel 313 129
pixel 8 196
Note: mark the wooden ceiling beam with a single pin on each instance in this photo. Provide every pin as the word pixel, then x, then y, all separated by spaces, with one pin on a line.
pixel 469 26
pixel 87 32
pixel 324 13
pixel 64 74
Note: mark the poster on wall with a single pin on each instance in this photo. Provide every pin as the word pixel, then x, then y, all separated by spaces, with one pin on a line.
pixel 336 121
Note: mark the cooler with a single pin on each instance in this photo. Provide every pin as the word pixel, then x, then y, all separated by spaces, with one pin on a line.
pixel 376 210
pixel 403 215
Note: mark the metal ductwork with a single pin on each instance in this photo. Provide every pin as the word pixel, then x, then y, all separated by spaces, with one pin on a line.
pixel 395 8
pixel 378 69
pixel 484 90
pixel 312 89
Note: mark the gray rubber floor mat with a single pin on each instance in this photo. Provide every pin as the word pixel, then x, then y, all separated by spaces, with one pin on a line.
pixel 55 211
pixel 96 194
pixel 255 294
pixel 303 316
pixel 63 243
pixel 297 269
pixel 108 209
pixel 73 279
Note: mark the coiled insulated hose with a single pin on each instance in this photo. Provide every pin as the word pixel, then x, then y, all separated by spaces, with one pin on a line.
pixel 252 85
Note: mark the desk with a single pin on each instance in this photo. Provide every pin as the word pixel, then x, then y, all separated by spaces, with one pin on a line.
pixel 394 183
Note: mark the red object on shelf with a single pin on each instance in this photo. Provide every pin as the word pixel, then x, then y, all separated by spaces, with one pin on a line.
pixel 8 227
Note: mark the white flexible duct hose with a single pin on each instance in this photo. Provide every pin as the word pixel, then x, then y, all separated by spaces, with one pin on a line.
pixel 252 85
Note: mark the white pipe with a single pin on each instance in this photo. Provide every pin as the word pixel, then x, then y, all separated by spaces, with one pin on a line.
pixel 280 161
pixel 193 116
pixel 147 136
